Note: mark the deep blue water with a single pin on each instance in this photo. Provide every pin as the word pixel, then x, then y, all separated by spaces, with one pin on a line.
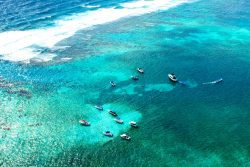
pixel 30 14
pixel 192 125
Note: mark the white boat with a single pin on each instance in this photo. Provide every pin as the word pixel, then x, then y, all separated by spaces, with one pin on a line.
pixel 133 124
pixel 113 84
pixel 118 120
pixel 84 123
pixel 112 113
pixel 125 136
pixel 99 108
pixel 135 78
pixel 140 70
pixel 108 133
pixel 172 77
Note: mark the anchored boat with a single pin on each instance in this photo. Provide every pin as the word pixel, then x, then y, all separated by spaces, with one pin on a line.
pixel 118 120
pixel 135 78
pixel 133 124
pixel 140 70
pixel 125 136
pixel 99 108
pixel 113 113
pixel 113 84
pixel 84 122
pixel 108 133
pixel 172 77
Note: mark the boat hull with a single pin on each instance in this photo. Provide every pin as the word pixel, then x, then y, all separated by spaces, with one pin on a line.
pixel 171 78
pixel 108 135
pixel 125 137
pixel 84 123
pixel 119 121
pixel 99 108
pixel 140 71
pixel 113 113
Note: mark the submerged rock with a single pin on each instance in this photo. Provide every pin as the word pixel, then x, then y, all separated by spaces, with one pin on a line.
pixel 6 128
pixel 35 124
pixel 20 110
pixel 6 85
pixel 9 91
pixel 24 92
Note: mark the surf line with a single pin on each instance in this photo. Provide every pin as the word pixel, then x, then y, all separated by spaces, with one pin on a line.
pixel 22 46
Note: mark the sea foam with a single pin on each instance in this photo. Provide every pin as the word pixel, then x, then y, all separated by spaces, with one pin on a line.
pixel 90 6
pixel 22 45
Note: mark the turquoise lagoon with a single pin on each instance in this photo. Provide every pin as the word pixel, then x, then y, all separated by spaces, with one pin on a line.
pixel 180 125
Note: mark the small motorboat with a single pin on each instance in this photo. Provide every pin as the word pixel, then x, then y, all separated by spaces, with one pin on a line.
pixel 118 120
pixel 84 123
pixel 108 133
pixel 113 84
pixel 125 136
pixel 140 70
pixel 133 124
pixel 172 77
pixel 113 113
pixel 217 81
pixel 135 78
pixel 99 108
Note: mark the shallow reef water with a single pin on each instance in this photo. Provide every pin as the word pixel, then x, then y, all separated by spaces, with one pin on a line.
pixel 43 97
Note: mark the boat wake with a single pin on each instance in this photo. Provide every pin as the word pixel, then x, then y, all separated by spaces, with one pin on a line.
pixel 22 46
pixel 213 82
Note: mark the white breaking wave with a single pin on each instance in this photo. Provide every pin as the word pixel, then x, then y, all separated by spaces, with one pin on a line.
pixel 22 45
pixel 91 6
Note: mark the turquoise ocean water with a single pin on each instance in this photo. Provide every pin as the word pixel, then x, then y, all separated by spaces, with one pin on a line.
pixel 57 59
